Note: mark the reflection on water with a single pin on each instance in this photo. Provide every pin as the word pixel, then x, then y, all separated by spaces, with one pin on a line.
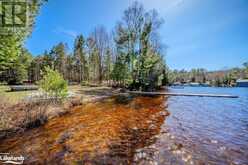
pixel 139 131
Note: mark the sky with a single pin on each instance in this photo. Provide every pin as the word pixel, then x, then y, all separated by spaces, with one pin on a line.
pixel 211 34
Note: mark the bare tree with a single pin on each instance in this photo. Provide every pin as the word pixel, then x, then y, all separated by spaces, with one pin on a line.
pixel 100 38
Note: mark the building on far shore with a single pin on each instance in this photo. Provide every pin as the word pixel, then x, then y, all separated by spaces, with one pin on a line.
pixel 242 83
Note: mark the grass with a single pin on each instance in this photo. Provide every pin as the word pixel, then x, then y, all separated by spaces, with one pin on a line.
pixel 12 97
pixel 17 114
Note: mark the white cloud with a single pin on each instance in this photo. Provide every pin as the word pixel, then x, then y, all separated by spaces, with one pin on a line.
pixel 67 32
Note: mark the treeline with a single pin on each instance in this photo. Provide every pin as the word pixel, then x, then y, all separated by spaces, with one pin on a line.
pixel 215 78
pixel 14 58
pixel 90 62
pixel 131 55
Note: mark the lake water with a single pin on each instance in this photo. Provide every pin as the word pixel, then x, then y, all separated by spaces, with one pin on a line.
pixel 143 130
pixel 207 130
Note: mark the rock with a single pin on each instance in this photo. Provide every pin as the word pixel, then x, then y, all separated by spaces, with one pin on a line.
pixel 214 141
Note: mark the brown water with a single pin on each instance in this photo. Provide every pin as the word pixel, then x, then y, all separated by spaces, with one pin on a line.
pixel 144 130
pixel 101 133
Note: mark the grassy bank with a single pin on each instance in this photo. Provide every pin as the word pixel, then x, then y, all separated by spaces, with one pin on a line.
pixel 12 98
pixel 18 115
pixel 86 92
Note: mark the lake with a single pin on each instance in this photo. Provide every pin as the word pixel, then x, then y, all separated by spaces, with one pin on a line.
pixel 143 130
pixel 208 130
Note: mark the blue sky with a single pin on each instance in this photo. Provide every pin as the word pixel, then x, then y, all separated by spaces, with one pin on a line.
pixel 211 34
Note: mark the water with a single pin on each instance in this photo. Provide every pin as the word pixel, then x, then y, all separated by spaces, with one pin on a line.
pixel 211 130
pixel 143 130
pixel 106 132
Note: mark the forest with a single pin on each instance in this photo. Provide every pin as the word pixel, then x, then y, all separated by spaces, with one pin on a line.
pixel 109 97
pixel 131 55
pixel 225 77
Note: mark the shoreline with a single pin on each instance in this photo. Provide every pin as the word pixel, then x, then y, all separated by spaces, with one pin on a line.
pixel 21 117
pixel 106 130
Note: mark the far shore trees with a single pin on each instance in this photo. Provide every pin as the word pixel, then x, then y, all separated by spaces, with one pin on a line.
pixel 246 69
pixel 226 77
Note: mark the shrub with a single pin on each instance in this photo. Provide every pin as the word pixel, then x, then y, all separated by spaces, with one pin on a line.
pixel 35 114
pixel 53 84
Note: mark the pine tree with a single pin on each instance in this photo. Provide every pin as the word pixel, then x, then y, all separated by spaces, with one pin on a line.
pixel 79 55
pixel 108 65
pixel 59 55
pixel 136 42
pixel 11 46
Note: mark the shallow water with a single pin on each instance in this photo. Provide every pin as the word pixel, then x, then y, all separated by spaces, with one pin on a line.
pixel 143 130
pixel 106 132
pixel 210 130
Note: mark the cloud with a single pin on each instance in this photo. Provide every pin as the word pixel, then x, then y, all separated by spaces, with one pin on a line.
pixel 67 32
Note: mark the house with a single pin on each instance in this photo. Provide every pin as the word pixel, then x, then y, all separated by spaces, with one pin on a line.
pixel 177 84
pixel 194 84
pixel 242 83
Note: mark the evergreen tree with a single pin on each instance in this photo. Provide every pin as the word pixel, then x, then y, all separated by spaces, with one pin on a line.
pixel 135 41
pixel 59 55
pixel 18 71
pixel 80 58
pixel 11 45
pixel 108 65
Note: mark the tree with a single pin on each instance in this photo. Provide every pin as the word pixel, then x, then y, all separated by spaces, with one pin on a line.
pixel 53 84
pixel 108 65
pixel 35 69
pixel 59 55
pixel 48 60
pixel 10 49
pixel 80 58
pixel 120 71
pixel 93 62
pixel 70 68
pixel 100 40
pixel 12 44
pixel 132 56
pixel 138 44
pixel 246 69
pixel 18 71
